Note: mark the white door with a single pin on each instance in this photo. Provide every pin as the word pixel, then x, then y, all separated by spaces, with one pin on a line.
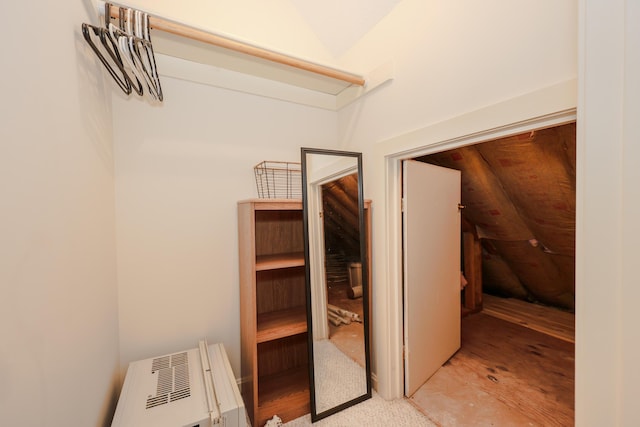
pixel 431 234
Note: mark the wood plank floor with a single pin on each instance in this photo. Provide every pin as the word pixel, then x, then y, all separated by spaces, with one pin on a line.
pixel 505 374
pixel 557 323
pixel 348 338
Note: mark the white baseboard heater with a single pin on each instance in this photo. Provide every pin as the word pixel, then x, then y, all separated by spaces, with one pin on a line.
pixel 193 388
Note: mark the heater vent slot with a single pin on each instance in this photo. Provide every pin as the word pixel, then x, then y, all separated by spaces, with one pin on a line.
pixel 154 401
pixel 173 379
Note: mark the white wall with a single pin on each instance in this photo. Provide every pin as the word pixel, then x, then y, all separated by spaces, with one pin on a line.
pixel 454 57
pixel 180 170
pixel 630 227
pixel 451 59
pixel 57 258
pixel 58 303
pixel 607 338
pixel 444 90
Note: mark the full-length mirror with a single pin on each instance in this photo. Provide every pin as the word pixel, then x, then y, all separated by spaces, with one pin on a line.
pixel 337 280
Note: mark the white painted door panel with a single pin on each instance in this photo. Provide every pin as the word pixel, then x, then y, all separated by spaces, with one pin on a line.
pixel 431 239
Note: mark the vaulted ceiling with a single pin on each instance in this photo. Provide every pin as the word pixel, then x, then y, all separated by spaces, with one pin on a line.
pixel 340 24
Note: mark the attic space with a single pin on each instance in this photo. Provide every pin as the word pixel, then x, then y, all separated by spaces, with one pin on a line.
pixel 342 227
pixel 519 194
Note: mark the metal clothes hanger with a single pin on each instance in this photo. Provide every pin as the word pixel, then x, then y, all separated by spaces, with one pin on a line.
pixel 130 60
pixel 148 47
pixel 131 43
pixel 119 76
pixel 125 37
pixel 114 32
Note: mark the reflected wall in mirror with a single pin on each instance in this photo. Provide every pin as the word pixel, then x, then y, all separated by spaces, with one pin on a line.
pixel 337 280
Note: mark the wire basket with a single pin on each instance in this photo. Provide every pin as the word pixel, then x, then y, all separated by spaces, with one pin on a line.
pixel 278 180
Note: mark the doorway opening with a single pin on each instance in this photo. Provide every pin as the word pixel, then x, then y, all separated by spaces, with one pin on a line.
pixel 343 267
pixel 516 362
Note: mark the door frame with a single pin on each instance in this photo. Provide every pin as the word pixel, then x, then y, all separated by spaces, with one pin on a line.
pixel 441 137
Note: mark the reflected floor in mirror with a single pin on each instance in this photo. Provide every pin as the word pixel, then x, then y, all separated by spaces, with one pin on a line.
pixel 342 379
pixel 348 338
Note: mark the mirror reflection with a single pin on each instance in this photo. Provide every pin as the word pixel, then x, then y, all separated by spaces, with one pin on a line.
pixel 336 273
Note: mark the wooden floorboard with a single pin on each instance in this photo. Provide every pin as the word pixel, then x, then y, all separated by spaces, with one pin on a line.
pixel 551 321
pixel 503 375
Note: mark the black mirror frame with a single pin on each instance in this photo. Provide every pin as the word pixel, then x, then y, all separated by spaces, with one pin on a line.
pixel 315 416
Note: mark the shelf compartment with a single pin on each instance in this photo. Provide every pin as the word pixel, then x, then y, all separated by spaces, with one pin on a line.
pixel 280 324
pixel 276 261
pixel 278 232
pixel 279 356
pixel 281 289
pixel 285 394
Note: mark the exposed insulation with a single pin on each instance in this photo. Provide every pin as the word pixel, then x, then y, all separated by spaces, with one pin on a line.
pixel 499 279
pixel 341 227
pixel 489 208
pixel 535 172
pixel 519 194
pixel 537 272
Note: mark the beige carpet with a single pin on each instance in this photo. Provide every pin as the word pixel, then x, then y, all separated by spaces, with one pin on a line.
pixel 375 412
pixel 338 378
pixel 344 379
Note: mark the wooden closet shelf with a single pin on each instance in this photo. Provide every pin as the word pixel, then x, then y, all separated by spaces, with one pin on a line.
pixel 274 354
pixel 285 394
pixel 280 324
pixel 274 262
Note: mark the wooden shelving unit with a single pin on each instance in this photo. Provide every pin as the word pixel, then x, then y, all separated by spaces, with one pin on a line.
pixel 274 358
pixel 282 323
pixel 273 262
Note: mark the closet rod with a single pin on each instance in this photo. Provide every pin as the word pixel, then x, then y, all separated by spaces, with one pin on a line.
pixel 181 30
